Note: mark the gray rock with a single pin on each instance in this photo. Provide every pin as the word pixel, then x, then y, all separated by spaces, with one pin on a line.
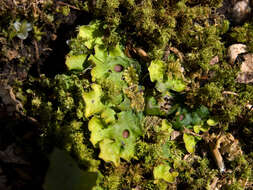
pixel 241 11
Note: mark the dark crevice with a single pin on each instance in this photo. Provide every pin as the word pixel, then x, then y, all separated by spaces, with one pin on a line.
pixel 55 62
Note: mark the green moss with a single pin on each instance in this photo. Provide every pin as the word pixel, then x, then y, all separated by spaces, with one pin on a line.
pixel 243 34
pixel 60 110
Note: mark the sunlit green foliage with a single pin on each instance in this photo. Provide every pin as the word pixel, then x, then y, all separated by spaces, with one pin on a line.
pixel 118 139
pixel 163 172
pixel 123 112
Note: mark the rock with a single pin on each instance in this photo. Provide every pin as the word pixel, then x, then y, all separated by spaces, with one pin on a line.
pixel 246 72
pixel 241 11
pixel 234 50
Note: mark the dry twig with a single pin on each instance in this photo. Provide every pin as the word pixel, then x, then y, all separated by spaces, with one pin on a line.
pixel 66 4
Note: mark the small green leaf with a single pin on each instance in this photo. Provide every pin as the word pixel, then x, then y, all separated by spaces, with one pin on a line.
pixel 101 53
pixel 64 174
pixel 91 33
pixel 183 119
pixel 117 51
pixel 110 151
pixel 196 120
pixel 108 115
pixel 130 122
pixel 104 73
pixel 166 126
pixel 163 172
pixel 152 107
pixel 96 127
pixel 211 122
pixel 198 128
pixel 202 112
pixel 190 142
pixel 157 70
pixel 75 62
pixel 171 84
pixel 92 100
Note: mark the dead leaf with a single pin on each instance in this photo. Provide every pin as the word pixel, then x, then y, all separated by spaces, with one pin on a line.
pixel 230 147
pixel 246 72
pixel 223 146
pixel 9 99
pixel 12 54
pixel 10 156
pixel 140 52
pixel 234 50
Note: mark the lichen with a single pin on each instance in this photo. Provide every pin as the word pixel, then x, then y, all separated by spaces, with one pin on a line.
pixel 113 143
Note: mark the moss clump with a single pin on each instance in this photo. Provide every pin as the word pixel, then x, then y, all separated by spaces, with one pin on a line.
pixel 243 34
pixel 59 108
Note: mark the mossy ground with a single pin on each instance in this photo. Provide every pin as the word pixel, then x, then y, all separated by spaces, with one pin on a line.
pixel 191 32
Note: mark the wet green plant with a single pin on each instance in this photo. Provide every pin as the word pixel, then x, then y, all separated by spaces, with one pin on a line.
pixel 119 115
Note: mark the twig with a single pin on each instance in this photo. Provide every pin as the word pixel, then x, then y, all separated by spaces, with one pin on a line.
pixel 229 92
pixel 47 49
pixel 88 68
pixel 66 4
pixel 188 131
pixel 214 183
pixel 174 50
pixel 218 158
pixel 3 74
pixel 178 53
pixel 214 147
pixel 34 10
pixel 37 56
pixel 36 50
